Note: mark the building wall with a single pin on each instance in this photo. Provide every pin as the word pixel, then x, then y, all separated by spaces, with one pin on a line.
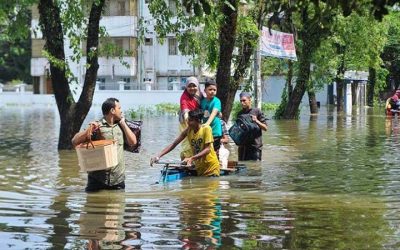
pixel 152 62
pixel 273 87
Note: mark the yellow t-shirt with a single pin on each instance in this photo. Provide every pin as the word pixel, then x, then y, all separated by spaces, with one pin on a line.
pixel 209 164
pixel 186 150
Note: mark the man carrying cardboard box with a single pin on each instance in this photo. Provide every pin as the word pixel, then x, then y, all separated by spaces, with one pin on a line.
pixel 111 127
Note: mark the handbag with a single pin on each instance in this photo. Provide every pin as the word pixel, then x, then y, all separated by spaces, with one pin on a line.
pixel 136 128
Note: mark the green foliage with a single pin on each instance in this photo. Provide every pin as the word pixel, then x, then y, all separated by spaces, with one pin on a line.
pixel 391 51
pixel 15 44
pixel 381 76
pixel 279 112
pixel 156 110
pixel 268 107
pixel 273 66
pixel 265 107
pixel 167 108
pixel 236 107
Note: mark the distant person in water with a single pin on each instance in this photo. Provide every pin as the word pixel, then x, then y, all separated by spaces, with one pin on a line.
pixel 190 100
pixel 393 104
pixel 251 150
pixel 200 138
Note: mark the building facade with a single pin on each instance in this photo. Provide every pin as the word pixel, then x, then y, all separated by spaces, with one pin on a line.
pixel 151 65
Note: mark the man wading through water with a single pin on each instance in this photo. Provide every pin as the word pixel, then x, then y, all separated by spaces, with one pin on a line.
pixel 252 150
pixel 111 127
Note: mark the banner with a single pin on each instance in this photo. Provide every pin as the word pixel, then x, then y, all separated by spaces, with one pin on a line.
pixel 277 44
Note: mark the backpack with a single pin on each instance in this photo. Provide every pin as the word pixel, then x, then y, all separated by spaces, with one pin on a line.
pixel 244 130
pixel 136 128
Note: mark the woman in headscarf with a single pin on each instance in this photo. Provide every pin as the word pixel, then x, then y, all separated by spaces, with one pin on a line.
pixel 190 100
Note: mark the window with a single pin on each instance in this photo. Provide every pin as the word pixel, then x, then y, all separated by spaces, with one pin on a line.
pixel 172 46
pixel 148 41
pixel 127 85
pixel 119 42
pixel 102 83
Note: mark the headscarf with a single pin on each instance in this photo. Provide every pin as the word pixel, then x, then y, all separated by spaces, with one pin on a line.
pixel 192 79
pixel 187 101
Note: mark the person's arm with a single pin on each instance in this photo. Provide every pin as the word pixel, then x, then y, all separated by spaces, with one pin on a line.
pixel 130 136
pixel 225 133
pixel 185 116
pixel 216 108
pixel 260 120
pixel 202 153
pixel 211 117
pixel 170 147
pixel 84 135
pixel 224 139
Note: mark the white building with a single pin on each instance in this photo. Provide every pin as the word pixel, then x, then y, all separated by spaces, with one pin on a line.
pixel 152 66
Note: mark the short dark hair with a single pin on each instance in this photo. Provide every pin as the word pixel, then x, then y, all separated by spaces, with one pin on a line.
pixel 245 94
pixel 108 105
pixel 196 114
pixel 210 82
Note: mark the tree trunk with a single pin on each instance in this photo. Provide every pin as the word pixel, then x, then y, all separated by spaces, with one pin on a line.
pixel 340 82
pixel 227 36
pixel 71 114
pixel 371 86
pixel 354 86
pixel 312 100
pixel 292 108
pixel 289 78
pixel 340 94
pixel 331 100
pixel 238 76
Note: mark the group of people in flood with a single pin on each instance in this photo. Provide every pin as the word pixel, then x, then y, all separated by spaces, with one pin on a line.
pixel 202 131
pixel 393 104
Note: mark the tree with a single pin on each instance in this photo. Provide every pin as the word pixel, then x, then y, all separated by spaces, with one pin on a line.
pixel 14 40
pixel 212 34
pixel 391 51
pixel 52 18
pixel 316 25
pixel 313 24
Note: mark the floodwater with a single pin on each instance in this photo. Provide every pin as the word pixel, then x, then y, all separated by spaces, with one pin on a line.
pixel 325 182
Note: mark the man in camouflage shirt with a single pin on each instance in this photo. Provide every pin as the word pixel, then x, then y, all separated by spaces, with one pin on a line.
pixel 111 127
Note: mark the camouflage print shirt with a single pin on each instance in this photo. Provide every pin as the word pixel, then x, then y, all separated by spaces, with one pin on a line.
pixel 116 174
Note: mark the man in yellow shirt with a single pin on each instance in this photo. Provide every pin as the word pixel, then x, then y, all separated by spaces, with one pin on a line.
pixel 201 142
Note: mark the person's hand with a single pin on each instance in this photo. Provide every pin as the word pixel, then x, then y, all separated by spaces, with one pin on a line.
pixel 254 118
pixel 122 120
pixel 188 161
pixel 94 125
pixel 154 159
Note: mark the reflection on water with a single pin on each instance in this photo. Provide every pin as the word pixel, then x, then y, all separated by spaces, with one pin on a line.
pixel 326 182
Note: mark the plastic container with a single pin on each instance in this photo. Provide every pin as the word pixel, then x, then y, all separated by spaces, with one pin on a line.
pixel 97 155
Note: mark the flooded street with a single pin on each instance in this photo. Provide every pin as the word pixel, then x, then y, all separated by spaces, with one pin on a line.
pixel 325 182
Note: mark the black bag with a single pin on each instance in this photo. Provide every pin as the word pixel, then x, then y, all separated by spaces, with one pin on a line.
pixel 136 128
pixel 244 130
